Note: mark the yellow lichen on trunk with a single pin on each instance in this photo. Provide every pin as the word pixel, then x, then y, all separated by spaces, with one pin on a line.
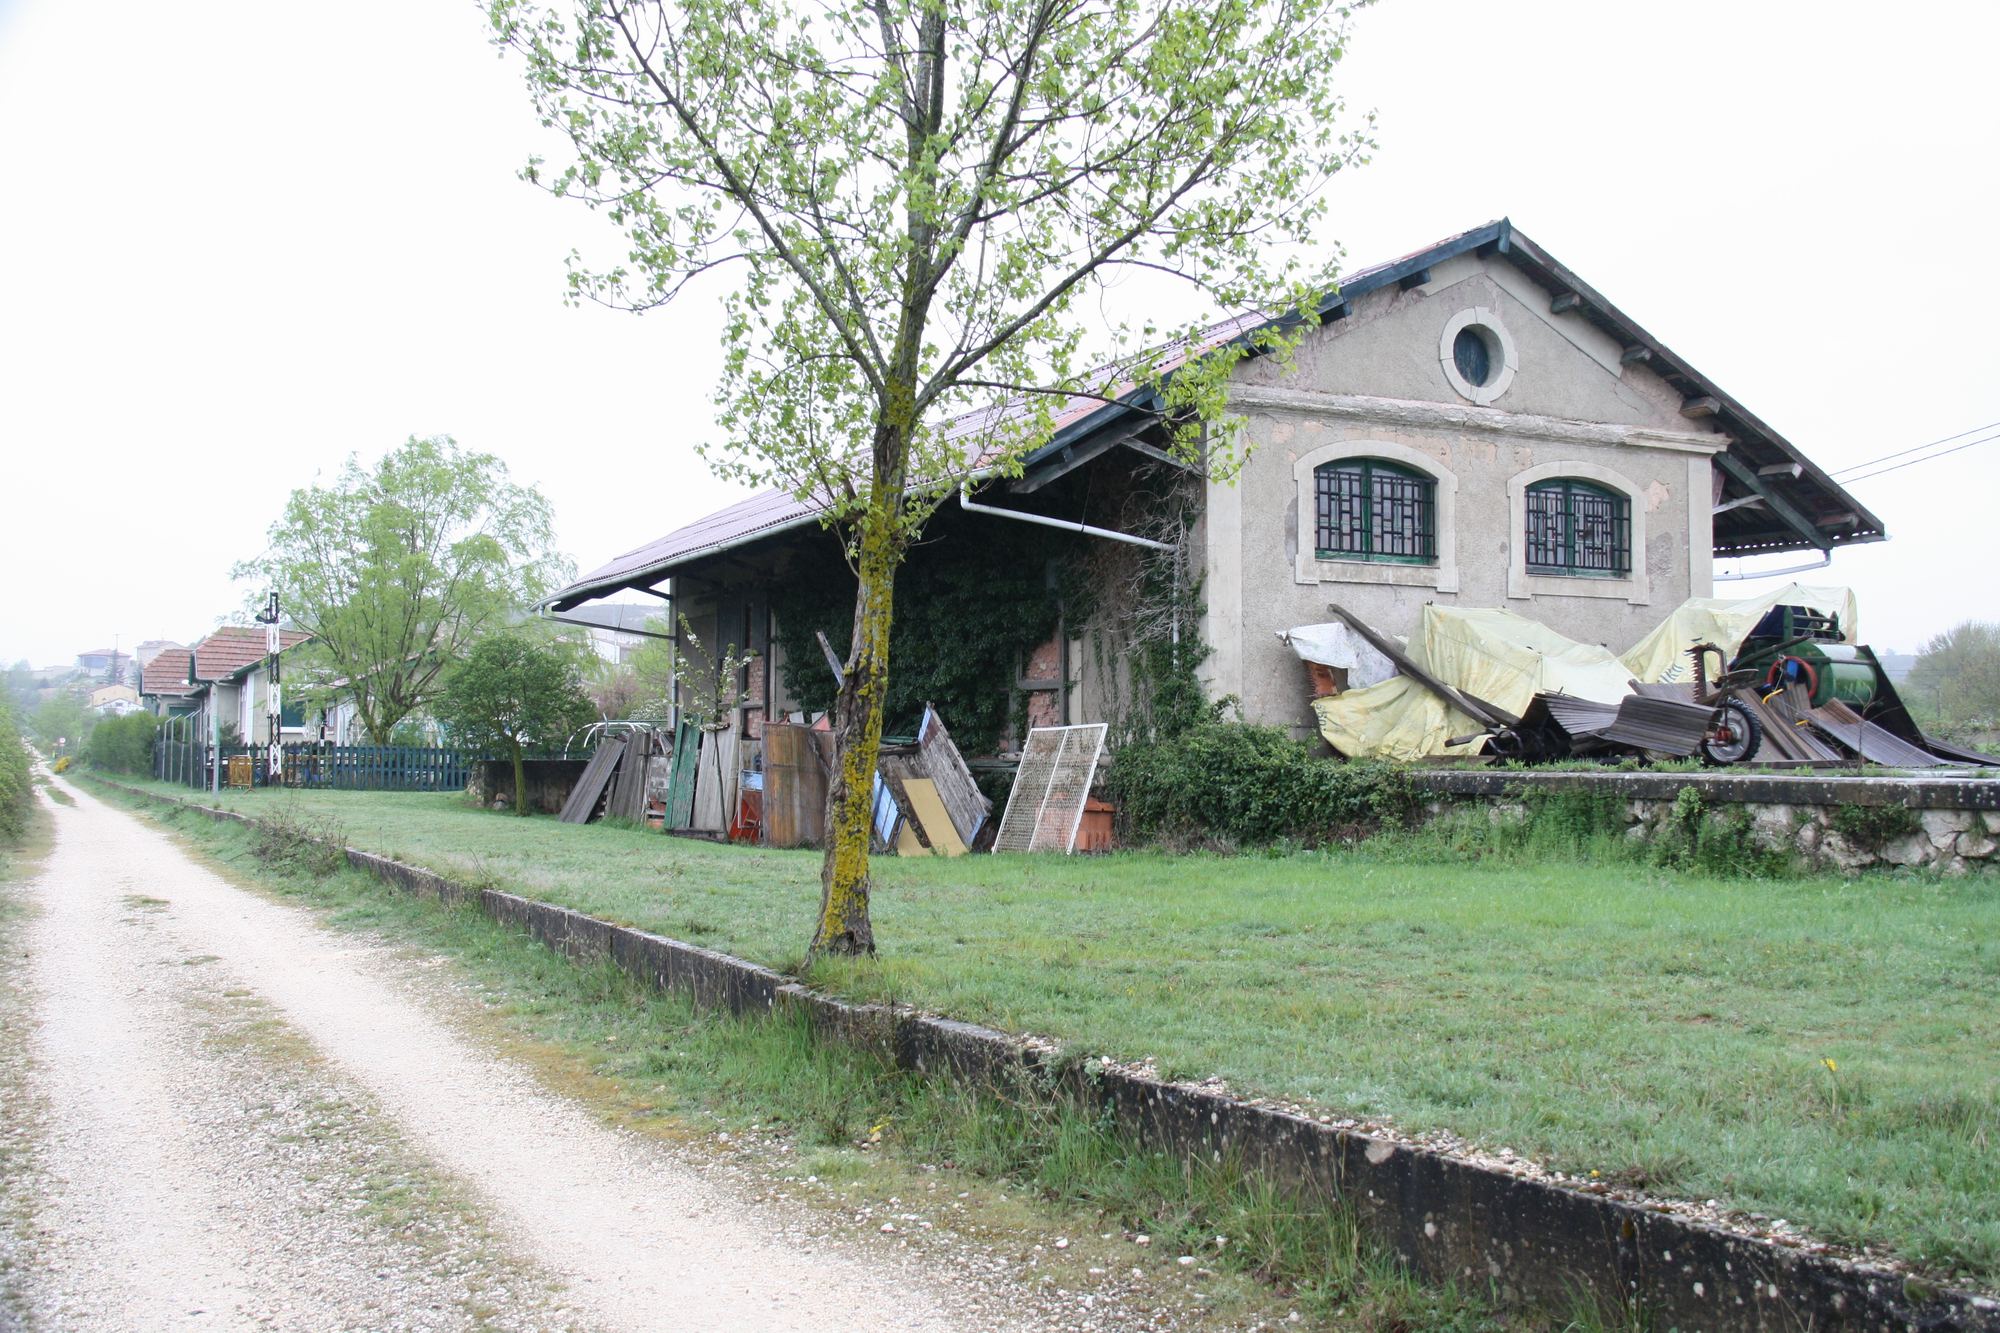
pixel 844 927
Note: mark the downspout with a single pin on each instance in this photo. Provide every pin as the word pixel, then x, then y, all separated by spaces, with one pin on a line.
pixel 966 503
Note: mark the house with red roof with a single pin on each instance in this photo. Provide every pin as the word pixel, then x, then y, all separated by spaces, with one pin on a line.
pixel 227 687
pixel 1471 424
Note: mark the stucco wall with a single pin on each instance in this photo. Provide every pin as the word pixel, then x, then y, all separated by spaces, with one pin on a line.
pixel 1372 384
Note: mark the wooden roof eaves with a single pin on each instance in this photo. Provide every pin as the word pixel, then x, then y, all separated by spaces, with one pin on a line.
pixel 1748 433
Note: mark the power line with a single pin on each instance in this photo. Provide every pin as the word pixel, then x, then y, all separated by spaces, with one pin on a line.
pixel 1856 467
pixel 1985 439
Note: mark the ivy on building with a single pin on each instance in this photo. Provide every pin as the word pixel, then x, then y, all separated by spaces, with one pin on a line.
pixel 971 602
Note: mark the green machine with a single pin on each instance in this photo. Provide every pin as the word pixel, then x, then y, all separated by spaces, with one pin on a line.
pixel 1793 643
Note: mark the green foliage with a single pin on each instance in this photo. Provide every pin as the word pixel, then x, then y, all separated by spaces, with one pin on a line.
pixel 61 724
pixel 1873 827
pixel 968 607
pixel 124 744
pixel 515 690
pixel 17 792
pixel 1247 784
pixel 397 569
pixel 1590 824
pixel 1956 679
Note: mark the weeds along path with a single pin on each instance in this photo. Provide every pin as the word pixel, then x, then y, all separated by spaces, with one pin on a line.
pixel 245 1119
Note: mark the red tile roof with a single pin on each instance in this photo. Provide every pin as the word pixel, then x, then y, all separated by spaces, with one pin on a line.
pixel 233 647
pixel 167 674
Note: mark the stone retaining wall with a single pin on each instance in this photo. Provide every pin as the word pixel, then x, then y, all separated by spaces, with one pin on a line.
pixel 1951 825
pixel 1525 1240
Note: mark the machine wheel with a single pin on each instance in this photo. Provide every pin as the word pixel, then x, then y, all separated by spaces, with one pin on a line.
pixel 1734 735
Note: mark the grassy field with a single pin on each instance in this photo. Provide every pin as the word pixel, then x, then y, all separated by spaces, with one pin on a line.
pixel 1654 1026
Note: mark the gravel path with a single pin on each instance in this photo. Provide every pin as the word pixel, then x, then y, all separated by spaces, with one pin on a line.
pixel 242 1119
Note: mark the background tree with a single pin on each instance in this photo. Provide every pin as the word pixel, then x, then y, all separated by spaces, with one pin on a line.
pixel 1956 678
pixel 515 691
pixel 921 198
pixel 395 570
pixel 641 686
pixel 61 724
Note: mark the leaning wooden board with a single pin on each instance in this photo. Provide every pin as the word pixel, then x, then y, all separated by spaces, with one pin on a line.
pixel 583 797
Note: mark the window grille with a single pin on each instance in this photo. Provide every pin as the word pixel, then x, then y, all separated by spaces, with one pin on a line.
pixel 1367 509
pixel 1578 529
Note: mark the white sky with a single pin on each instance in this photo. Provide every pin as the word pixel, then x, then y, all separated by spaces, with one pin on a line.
pixel 239 240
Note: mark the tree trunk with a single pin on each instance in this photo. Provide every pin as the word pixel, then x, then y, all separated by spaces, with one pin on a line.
pixel 520 778
pixel 850 803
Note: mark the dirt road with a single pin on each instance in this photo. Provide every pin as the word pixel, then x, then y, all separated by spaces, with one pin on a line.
pixel 236 1117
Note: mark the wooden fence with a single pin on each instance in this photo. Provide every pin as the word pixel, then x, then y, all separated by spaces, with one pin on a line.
pixel 309 764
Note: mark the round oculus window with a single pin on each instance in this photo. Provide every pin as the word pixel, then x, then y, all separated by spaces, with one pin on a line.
pixel 1472 355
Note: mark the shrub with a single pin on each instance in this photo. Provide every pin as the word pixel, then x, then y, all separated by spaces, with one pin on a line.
pixel 123 744
pixel 1873 827
pixel 17 793
pixel 1252 784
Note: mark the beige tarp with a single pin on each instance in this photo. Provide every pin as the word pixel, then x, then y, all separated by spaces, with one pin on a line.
pixel 1397 719
pixel 1662 655
pixel 1506 659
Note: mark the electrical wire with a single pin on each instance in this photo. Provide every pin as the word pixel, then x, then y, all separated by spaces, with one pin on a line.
pixel 1857 467
pixel 1985 439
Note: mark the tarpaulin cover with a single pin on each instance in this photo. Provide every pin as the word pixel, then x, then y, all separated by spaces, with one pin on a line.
pixel 1506 659
pixel 1336 645
pixel 1397 719
pixel 1662 655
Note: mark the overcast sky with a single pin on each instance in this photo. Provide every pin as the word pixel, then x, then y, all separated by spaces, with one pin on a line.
pixel 241 240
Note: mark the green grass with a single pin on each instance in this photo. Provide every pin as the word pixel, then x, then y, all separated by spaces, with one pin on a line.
pixel 875 1134
pixel 1656 1026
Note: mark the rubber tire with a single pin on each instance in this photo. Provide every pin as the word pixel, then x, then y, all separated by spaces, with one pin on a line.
pixel 1753 733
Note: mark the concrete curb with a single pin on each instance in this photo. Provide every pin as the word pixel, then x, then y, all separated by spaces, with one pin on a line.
pixel 1448 1218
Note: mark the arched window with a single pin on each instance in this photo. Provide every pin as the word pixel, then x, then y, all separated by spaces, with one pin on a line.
pixel 1578 528
pixel 1369 509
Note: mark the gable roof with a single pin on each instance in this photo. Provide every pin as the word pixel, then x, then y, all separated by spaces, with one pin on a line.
pixel 166 676
pixel 1789 502
pixel 233 647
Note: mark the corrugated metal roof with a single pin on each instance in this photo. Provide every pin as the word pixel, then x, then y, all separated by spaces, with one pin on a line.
pixel 771 512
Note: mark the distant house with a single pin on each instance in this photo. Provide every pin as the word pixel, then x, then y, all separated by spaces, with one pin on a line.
pixel 115 699
pixel 1471 425
pixel 152 648
pixel 103 664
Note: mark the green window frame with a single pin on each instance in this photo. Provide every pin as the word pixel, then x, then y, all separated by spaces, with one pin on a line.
pixel 1577 529
pixel 1372 509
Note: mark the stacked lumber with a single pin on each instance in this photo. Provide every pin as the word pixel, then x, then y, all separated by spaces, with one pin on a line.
pixel 614 782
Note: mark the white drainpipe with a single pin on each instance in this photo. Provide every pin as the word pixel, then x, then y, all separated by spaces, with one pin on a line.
pixel 966 503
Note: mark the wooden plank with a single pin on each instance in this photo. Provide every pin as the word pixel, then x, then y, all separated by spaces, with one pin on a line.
pixel 680 787
pixel 945 766
pixel 581 806
pixel 628 789
pixel 794 787
pixel 929 813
